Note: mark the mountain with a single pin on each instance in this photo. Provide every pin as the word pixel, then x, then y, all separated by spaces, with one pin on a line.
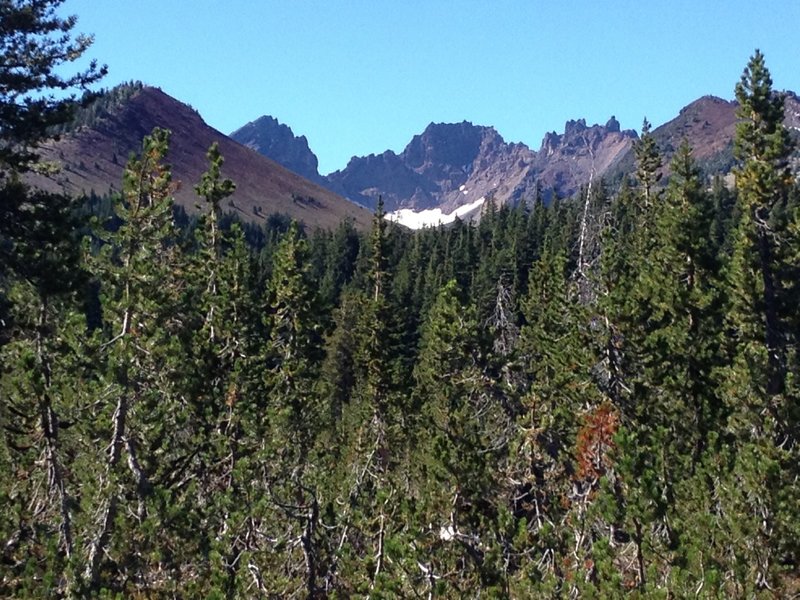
pixel 447 166
pixel 275 140
pixel 709 125
pixel 455 165
pixel 452 165
pixel 92 158
pixel 568 161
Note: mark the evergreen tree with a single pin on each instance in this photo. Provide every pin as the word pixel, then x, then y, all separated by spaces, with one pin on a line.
pixel 648 162
pixel 551 498
pixel 762 433
pixel 374 439
pixel 222 424
pixel 630 240
pixel 36 47
pixel 137 269
pixel 40 385
pixel 673 337
pixel 297 554
pixel 36 43
pixel 462 444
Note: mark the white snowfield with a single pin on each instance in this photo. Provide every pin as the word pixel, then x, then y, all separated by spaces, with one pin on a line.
pixel 431 217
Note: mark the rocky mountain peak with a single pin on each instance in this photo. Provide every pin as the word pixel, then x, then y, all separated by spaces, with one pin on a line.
pixel 447 145
pixel 267 136
pixel 447 165
pixel 572 128
pixel 566 161
pixel 454 165
pixel 550 142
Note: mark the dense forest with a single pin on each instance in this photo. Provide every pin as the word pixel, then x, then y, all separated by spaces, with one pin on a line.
pixel 591 397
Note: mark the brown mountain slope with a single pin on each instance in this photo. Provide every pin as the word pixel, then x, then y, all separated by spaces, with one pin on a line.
pixel 92 159
pixel 709 125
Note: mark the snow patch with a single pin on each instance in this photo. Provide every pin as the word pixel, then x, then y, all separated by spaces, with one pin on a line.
pixel 432 216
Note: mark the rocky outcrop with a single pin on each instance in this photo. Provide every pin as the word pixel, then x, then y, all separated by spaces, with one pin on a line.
pixel 792 111
pixel 454 164
pixel 278 142
pixel 386 175
pixel 567 161
pixel 448 165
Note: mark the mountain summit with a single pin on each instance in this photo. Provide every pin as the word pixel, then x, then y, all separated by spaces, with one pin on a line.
pixel 277 141
pixel 448 165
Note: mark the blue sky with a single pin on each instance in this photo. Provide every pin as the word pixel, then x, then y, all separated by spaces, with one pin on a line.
pixel 362 76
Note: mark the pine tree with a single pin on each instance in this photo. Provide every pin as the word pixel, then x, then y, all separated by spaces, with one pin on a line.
pixel 223 423
pixel 137 270
pixel 648 162
pixel 36 46
pixel 462 445
pixel 374 441
pixel 36 43
pixel 295 421
pixel 40 382
pixel 673 336
pixel 293 336
pixel 630 240
pixel 552 497
pixel 761 431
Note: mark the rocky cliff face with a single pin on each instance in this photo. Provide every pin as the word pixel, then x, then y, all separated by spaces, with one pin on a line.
pixel 386 175
pixel 567 161
pixel 451 165
pixel 275 140
pixel 446 166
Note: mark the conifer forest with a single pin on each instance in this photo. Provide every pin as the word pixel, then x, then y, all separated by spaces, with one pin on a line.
pixel 585 397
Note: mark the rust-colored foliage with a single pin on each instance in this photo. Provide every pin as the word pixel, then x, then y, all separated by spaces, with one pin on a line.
pixel 595 440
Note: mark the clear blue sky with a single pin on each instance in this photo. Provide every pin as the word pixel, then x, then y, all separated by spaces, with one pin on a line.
pixel 362 76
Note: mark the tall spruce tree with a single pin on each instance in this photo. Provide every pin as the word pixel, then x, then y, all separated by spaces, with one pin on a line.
pixel 759 491
pixel 138 409
pixel 461 449
pixel 37 92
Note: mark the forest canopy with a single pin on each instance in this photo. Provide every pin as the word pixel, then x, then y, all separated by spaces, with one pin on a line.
pixel 591 397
